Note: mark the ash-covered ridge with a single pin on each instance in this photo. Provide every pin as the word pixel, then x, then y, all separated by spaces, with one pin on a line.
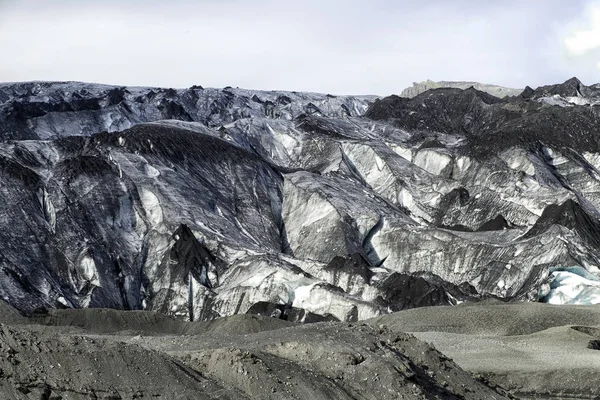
pixel 201 203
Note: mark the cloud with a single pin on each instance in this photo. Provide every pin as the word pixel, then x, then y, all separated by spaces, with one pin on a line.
pixel 585 40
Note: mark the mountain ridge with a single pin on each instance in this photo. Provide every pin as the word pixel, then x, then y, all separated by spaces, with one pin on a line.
pixel 495 90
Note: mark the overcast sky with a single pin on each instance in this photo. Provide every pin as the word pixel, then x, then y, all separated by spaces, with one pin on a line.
pixel 337 46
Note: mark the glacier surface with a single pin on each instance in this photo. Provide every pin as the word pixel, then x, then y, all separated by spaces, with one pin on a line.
pixel 574 285
pixel 206 202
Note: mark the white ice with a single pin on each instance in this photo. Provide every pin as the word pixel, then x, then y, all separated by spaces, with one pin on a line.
pixel 573 285
pixel 151 206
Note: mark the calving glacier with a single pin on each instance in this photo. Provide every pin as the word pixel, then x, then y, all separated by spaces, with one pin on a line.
pixel 203 202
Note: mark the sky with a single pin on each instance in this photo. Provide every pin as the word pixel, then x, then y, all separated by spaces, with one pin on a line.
pixel 332 46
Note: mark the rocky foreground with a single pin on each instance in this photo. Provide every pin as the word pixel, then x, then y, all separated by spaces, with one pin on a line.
pixel 490 351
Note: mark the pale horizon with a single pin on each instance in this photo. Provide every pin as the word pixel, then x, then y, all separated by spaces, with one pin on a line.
pixel 378 48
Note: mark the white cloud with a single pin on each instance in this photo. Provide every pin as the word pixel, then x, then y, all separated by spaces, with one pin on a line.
pixel 586 39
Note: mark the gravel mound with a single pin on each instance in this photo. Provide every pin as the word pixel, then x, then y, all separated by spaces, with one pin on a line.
pixel 491 319
pixel 109 354
pixel 532 350
pixel 36 365
pixel 109 321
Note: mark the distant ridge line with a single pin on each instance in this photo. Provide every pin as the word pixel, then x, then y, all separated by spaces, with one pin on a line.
pixel 495 90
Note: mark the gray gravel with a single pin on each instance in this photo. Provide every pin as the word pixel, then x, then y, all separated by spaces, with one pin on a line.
pixel 527 348
pixel 109 354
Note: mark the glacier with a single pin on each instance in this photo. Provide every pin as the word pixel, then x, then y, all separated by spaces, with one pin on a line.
pixel 204 202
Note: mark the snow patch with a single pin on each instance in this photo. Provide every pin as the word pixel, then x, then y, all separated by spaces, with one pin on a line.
pixel 554 157
pixel 152 207
pixel 404 152
pixel 432 161
pixel 518 160
pixel 150 171
pixel 87 270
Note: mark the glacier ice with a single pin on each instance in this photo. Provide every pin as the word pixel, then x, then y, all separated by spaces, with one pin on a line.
pixel 572 285
pixel 345 206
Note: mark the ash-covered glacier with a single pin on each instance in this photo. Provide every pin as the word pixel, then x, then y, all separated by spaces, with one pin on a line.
pixel 201 203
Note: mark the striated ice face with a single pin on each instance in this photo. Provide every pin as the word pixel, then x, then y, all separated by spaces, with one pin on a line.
pixel 300 200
